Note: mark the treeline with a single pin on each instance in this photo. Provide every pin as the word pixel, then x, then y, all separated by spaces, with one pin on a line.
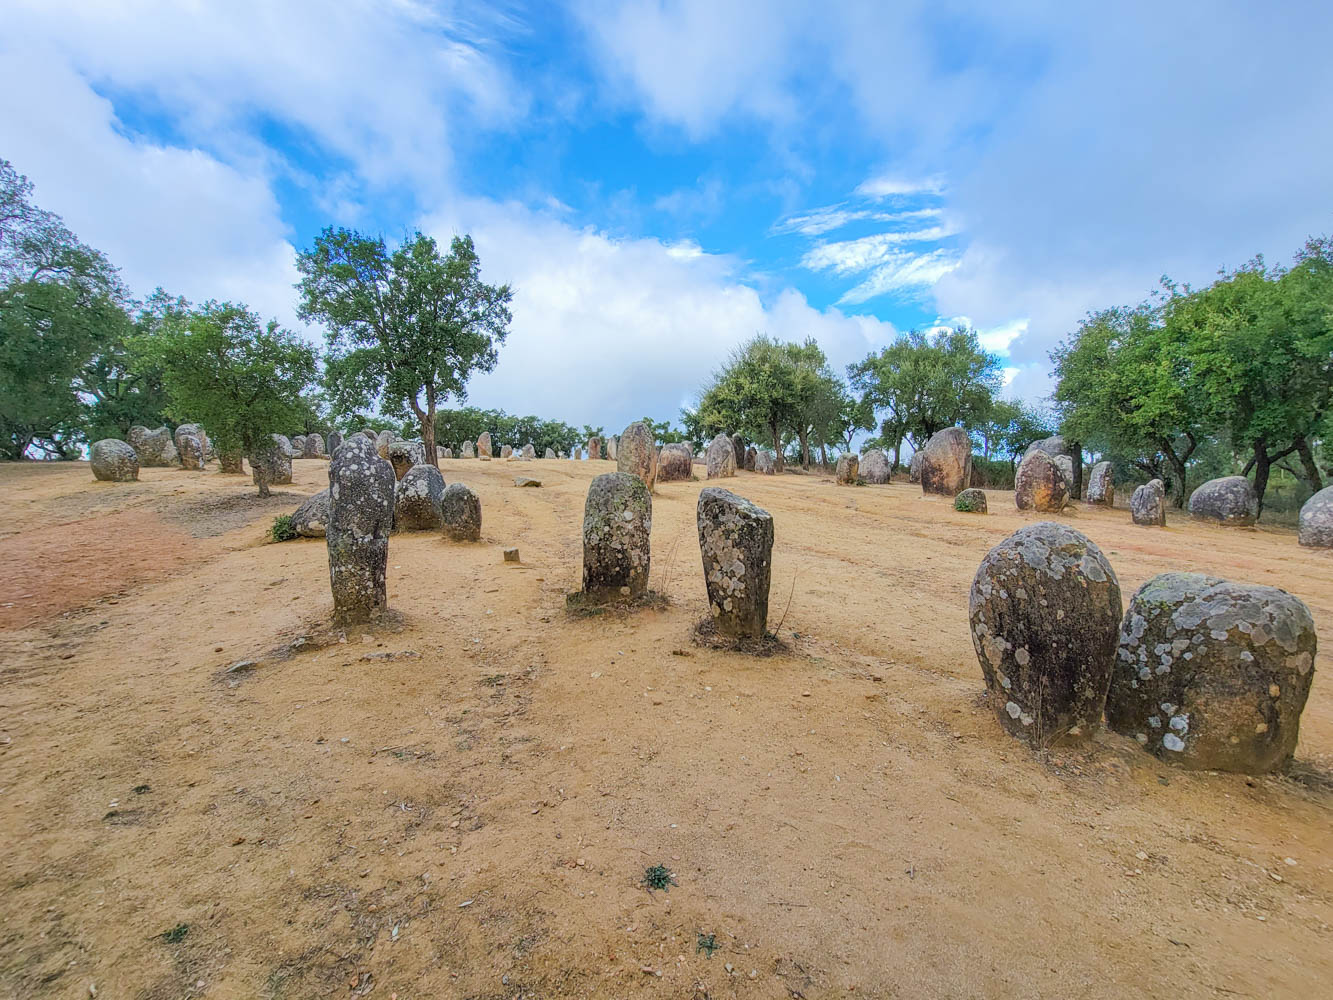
pixel 1234 377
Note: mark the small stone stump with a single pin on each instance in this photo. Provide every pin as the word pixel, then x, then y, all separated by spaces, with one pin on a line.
pixel 311 519
pixel 636 453
pixel 460 514
pixel 849 469
pixel 417 499
pixel 875 468
pixel 946 462
pixel 191 450
pixel 1040 484
pixel 1229 501
pixel 675 463
pixel 1101 487
pixel 617 521
pixel 113 461
pixel 720 458
pixel 361 503
pixel 1045 616
pixel 971 501
pixel 736 542
pixel 1211 675
pixel 1147 504
pixel 1315 528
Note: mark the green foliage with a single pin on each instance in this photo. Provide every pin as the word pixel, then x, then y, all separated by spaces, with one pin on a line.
pixel 996 474
pixel 453 427
pixel 176 935
pixel 223 368
pixel 658 877
pixel 407 328
pixel 965 503
pixel 282 530
pixel 1010 427
pixel 663 432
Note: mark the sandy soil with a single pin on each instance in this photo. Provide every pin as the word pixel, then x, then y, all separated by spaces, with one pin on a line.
pixel 464 804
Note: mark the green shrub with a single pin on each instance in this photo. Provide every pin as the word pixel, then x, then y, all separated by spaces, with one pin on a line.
pixel 282 530
pixel 964 503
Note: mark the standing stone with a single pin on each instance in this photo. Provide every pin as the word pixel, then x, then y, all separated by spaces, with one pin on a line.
pixel 849 469
pixel 529 452
pixel 506 451
pixel 1229 501
pixel 738 444
pixel 736 542
pixel 766 463
pixel 194 429
pixel 1212 675
pixel 1315 527
pixel 613 448
pixel 113 461
pixel 468 451
pixel 636 453
pixel 229 462
pixel 1147 504
pixel 313 447
pixel 371 433
pixel 460 513
pixel 971 501
pixel 311 519
pixel 946 462
pixel 417 499
pixel 285 443
pixel 403 455
pixel 361 495
pixel 382 442
pixel 875 467
pixel 550 453
pixel 1101 488
pixel 270 464
pixel 914 468
pixel 1053 446
pixel 720 458
pixel 154 448
pixel 617 520
pixel 191 452
pixel 594 449
pixel 334 439
pixel 577 454
pixel 1045 613
pixel 1065 464
pixel 1040 484
pixel 675 463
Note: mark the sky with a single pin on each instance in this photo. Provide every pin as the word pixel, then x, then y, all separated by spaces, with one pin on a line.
pixel 660 181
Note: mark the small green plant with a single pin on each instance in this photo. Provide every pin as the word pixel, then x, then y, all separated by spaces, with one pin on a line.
pixel 176 935
pixel 707 943
pixel 965 503
pixel 282 530
pixel 658 877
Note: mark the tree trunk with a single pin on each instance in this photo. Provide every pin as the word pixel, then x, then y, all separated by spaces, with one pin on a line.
pixel 1262 465
pixel 777 448
pixel 823 455
pixel 263 486
pixel 1076 449
pixel 805 449
pixel 427 422
pixel 897 454
pixel 1312 476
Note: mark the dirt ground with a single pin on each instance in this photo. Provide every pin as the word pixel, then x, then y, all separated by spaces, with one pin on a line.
pixel 464 804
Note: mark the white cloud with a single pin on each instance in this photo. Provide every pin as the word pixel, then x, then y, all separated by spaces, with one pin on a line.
pixel 856 256
pixel 819 221
pixel 903 272
pixel 890 185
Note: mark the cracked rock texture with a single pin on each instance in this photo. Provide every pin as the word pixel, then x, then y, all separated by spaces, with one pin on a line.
pixel 636 454
pixel 675 463
pixel 946 463
pixel 1229 501
pixel 720 458
pixel 460 513
pixel 113 461
pixel 875 468
pixel 617 520
pixel 1316 521
pixel 1147 504
pixel 1101 486
pixel 736 542
pixel 404 455
pixel 1212 675
pixel 1045 615
pixel 417 499
pixel 311 519
pixel 361 496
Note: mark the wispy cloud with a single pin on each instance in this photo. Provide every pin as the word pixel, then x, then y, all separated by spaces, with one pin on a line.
pixel 819 221
pixel 845 257
pixel 890 185
pixel 901 273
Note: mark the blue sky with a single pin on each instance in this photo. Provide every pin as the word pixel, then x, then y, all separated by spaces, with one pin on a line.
pixel 660 181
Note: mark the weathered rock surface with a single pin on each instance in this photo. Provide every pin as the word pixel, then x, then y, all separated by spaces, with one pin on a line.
pixel 382 442
pixel 720 458
pixel 1040 484
pixel 766 463
pixel 1315 527
pixel 675 463
pixel 971 501
pixel 550 453
pixel 527 481
pixel 1066 466
pixel 313 446
pixel 914 468
pixel 371 433
pixel 738 445
pixel 484 444
pixel 460 511
pixel 613 448
pixel 1045 614
pixel 311 519
pixel 113 461
pixel 736 542
pixel 331 443
pixel 849 469
pixel 154 448
pixel 946 462
pixel 361 507
pixel 468 451
pixel 298 446
pixel 594 449
pixel 230 461
pixel 506 451
pixel 1229 501
pixel 1053 446
pixel 637 453
pixel 1101 486
pixel 192 454
pixel 751 458
pixel 404 455
pixel 1147 504
pixel 197 431
pixel 271 465
pixel 1213 675
pixel 529 452
pixel 875 467
pixel 417 499
pixel 617 521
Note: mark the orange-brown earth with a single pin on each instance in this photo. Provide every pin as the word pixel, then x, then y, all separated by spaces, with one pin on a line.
pixel 463 804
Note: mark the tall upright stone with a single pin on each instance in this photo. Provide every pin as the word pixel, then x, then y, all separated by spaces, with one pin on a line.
pixel 914 468
pixel 738 445
pixel 550 453
pixel 617 523
pixel 613 448
pixel 468 450
pixel 191 452
pixel 1315 526
pixel 720 458
pixel 636 453
pixel 484 444
pixel 765 463
pixel 1212 675
pixel 1101 486
pixel 113 461
pixel 313 446
pixel 751 457
pixel 417 499
pixel 675 463
pixel 506 451
pixel 1053 446
pixel 875 467
pixel 270 464
pixel 197 430
pixel 1040 484
pixel 361 501
pixel 529 452
pixel 849 469
pixel 594 449
pixel 736 543
pixel 1045 615
pixel 331 443
pixel 1229 501
pixel 946 462
pixel 460 513
pixel 1147 504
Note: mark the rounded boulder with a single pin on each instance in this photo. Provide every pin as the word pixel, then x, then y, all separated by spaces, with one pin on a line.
pixel 675 463
pixel 1040 484
pixel 417 499
pixel 1229 501
pixel 1147 504
pixel 875 468
pixel 848 470
pixel 460 513
pixel 113 461
pixel 311 519
pixel 636 453
pixel 946 462
pixel 1315 527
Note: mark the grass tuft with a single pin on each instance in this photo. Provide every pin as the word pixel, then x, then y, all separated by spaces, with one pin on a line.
pixel 282 530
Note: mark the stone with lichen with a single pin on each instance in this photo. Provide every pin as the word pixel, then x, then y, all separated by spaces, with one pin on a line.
pixel 417 499
pixel 617 522
pixel 155 448
pixel 361 504
pixel 1040 484
pixel 636 453
pixel 460 513
pixel 1211 675
pixel 736 543
pixel 404 455
pixel 946 462
pixel 720 458
pixel 1229 501
pixel 849 469
pixel 311 519
pixel 675 463
pixel 1044 612
pixel 1315 526
pixel 1101 486
pixel 875 467
pixel 1147 504
pixel 113 461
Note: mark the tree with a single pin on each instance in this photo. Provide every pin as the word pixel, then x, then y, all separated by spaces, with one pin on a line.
pixel 406 327
pixel 756 393
pixel 241 379
pixel 61 302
